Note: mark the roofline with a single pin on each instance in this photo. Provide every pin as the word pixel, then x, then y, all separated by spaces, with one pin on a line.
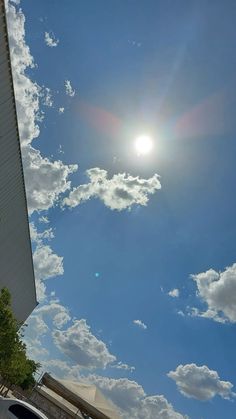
pixel 72 398
pixel 2 4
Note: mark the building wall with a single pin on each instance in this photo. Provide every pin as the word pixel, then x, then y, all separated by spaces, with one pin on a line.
pixel 16 266
pixel 49 408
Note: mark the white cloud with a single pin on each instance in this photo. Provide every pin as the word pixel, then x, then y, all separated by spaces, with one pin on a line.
pixel 60 149
pixel 118 193
pixel 174 293
pixel 36 328
pixel 122 366
pixel 218 291
pixel 139 323
pixel 40 290
pixel 50 39
pixel 37 237
pixel 46 97
pixel 200 382
pixel 38 325
pixel 27 92
pixel 61 110
pixel 55 311
pixel 79 344
pixel 43 219
pixel 46 263
pixel 45 179
pixel 132 400
pixel 61 369
pixel 69 90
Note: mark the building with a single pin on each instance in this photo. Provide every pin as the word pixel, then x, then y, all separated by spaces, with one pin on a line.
pixel 63 399
pixel 16 265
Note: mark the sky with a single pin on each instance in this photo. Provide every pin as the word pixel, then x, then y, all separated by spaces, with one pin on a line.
pixel 134 252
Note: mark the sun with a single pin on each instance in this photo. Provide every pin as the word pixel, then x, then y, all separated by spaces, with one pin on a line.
pixel 143 145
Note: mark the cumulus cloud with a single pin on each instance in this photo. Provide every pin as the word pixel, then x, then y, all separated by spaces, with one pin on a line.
pixel 132 400
pixel 218 291
pixel 61 110
pixel 62 369
pixel 140 324
pixel 54 311
pixel 36 328
pixel 118 193
pixel 47 264
pixel 40 323
pixel 40 290
pixel 174 293
pixel 79 344
pixel 200 382
pixel 45 179
pixel 50 39
pixel 69 90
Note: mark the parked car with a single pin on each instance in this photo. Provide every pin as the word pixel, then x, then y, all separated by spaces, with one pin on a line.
pixel 17 409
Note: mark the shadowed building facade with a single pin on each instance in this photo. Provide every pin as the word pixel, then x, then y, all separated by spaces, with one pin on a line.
pixel 16 264
pixel 64 399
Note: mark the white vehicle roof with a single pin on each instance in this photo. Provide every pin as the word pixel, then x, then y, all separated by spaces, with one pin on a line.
pixel 6 403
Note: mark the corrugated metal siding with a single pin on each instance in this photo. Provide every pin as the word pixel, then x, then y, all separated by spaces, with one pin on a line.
pixel 16 265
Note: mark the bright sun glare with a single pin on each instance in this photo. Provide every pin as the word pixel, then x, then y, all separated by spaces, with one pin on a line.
pixel 143 144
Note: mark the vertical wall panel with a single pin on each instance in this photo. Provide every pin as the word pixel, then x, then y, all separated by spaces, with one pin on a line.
pixel 16 265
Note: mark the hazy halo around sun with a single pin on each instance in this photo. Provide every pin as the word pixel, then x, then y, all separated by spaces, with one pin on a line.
pixel 143 145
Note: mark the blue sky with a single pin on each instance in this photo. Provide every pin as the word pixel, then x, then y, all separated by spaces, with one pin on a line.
pixel 110 246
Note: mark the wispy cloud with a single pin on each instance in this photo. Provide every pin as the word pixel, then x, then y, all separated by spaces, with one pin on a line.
pixel 174 293
pixel 50 39
pixel 140 324
pixel 46 97
pixel 43 219
pixel 38 237
pixel 122 366
pixel 69 90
